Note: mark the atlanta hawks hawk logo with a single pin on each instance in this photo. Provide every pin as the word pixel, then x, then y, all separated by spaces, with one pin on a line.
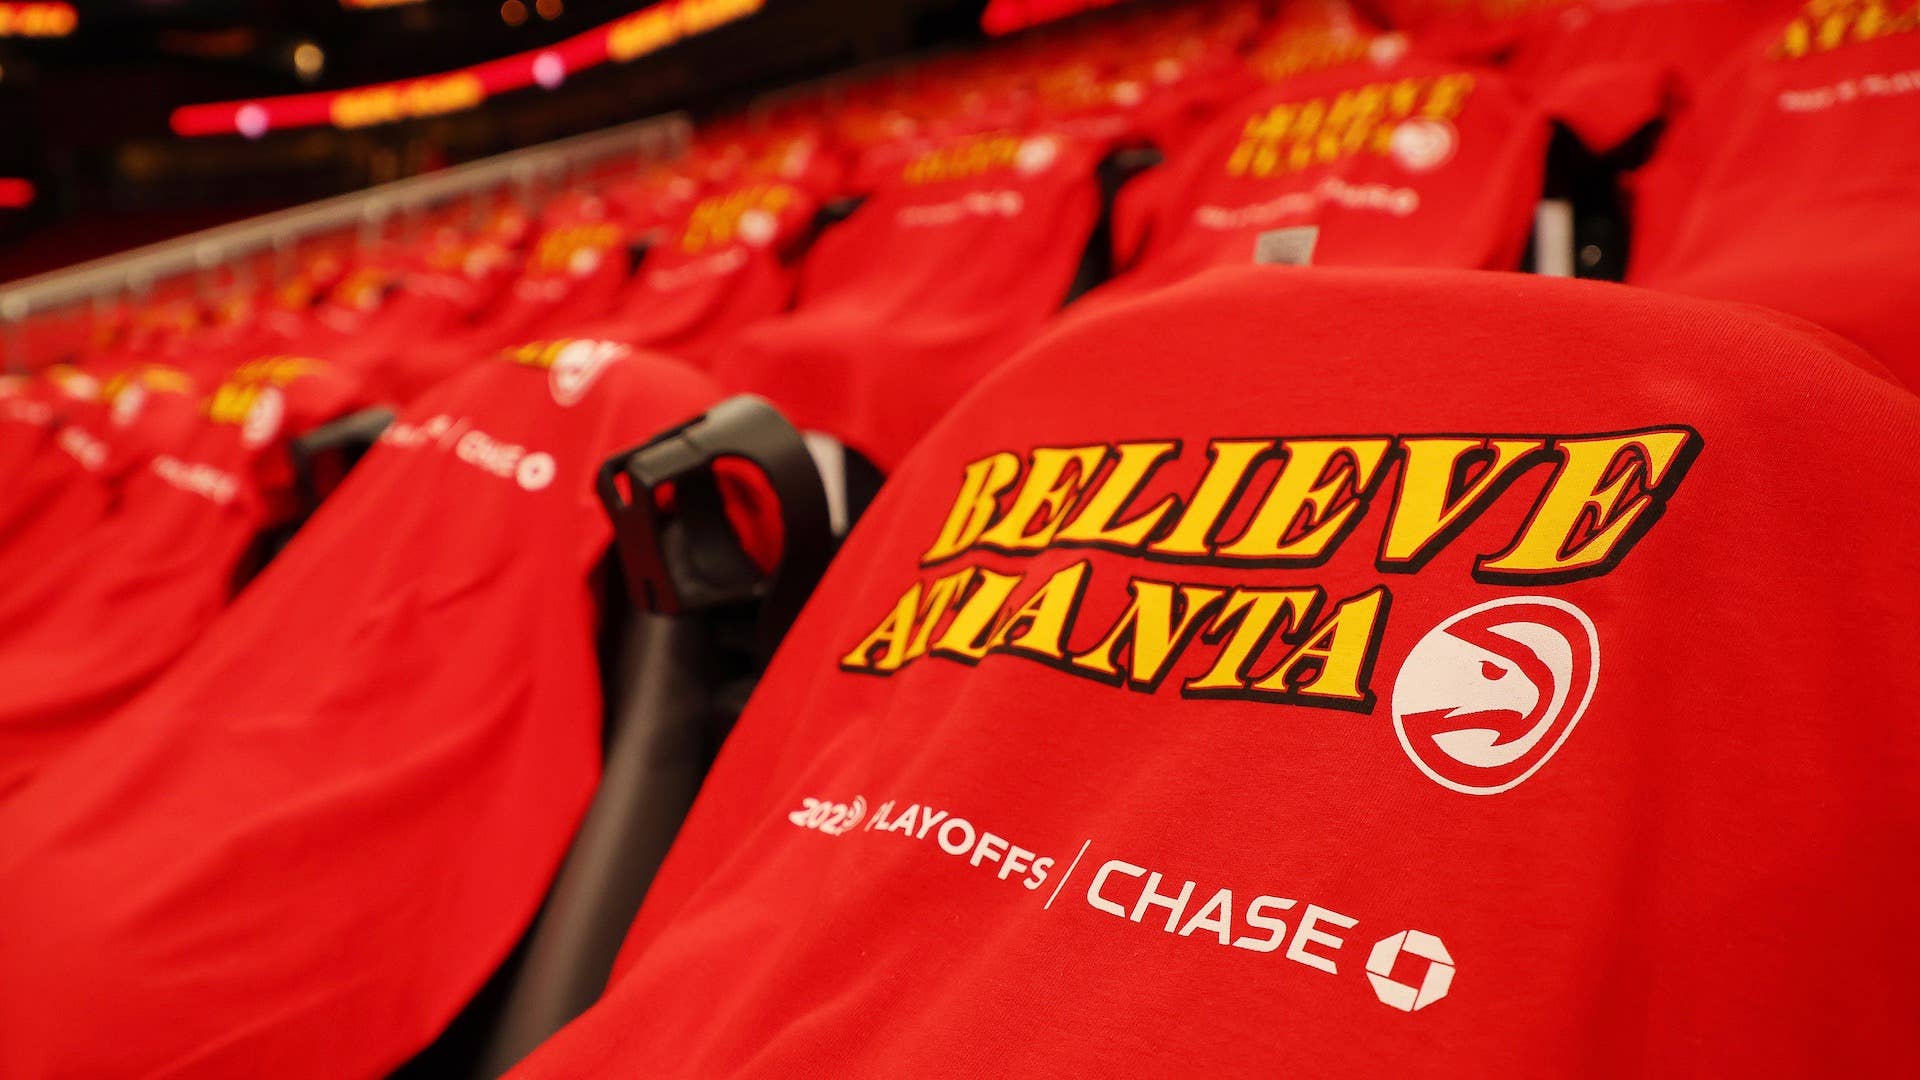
pixel 577 364
pixel 1486 697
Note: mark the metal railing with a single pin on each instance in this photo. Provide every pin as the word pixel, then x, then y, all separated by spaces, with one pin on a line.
pixel 656 138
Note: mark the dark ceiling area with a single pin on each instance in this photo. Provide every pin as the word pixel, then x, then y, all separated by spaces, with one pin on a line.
pixel 86 116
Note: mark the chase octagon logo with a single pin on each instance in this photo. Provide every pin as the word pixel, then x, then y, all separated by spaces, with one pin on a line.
pixel 1487 696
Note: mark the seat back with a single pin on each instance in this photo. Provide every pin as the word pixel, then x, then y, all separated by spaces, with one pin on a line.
pixel 1330 671
pixel 729 261
pixel 702 620
pixel 1782 186
pixel 573 272
pixel 1418 163
pixel 160 517
pixel 340 810
pixel 941 274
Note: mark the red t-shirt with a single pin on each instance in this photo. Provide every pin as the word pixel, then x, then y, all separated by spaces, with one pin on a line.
pixel 1604 68
pixel 32 411
pixel 429 296
pixel 87 625
pixel 939 276
pixel 726 265
pixel 1420 164
pixel 1792 182
pixel 1607 68
pixel 1484 30
pixel 574 272
pixel 304 848
pixel 1338 673
pixel 82 451
pixel 1302 38
pixel 25 420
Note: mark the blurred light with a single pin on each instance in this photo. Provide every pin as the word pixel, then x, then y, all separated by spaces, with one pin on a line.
pixel 251 121
pixel 640 33
pixel 308 60
pixel 15 193
pixel 366 4
pixel 139 161
pixel 513 12
pixel 549 9
pixel 37 19
pixel 3 73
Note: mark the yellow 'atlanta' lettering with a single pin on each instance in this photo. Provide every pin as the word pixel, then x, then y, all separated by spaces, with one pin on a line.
pixel 1312 49
pixel 1268 644
pixel 1604 493
pixel 231 401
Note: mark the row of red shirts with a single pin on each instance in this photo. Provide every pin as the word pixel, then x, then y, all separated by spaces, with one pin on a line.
pixel 1395 157
pixel 156 565
pixel 130 509
pixel 1419 163
pixel 957 261
pixel 380 750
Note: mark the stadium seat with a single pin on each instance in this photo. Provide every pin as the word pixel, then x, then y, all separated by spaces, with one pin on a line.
pixel 1332 672
pixel 146 542
pixel 308 843
pixel 573 272
pixel 708 606
pixel 421 295
pixel 40 467
pixel 1607 69
pixel 728 262
pixel 942 273
pixel 1416 164
pixel 73 441
pixel 1790 180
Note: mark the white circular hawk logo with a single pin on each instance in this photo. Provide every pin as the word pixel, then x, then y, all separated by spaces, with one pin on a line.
pixel 577 364
pixel 1486 697
pixel 263 417
pixel 1422 144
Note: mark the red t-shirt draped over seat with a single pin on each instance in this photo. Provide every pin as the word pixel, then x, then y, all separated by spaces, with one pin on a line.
pixel 88 625
pixel 1415 164
pixel 302 850
pixel 52 443
pixel 1337 673
pixel 727 264
pixel 73 481
pixel 574 272
pixel 1794 181
pixel 944 272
